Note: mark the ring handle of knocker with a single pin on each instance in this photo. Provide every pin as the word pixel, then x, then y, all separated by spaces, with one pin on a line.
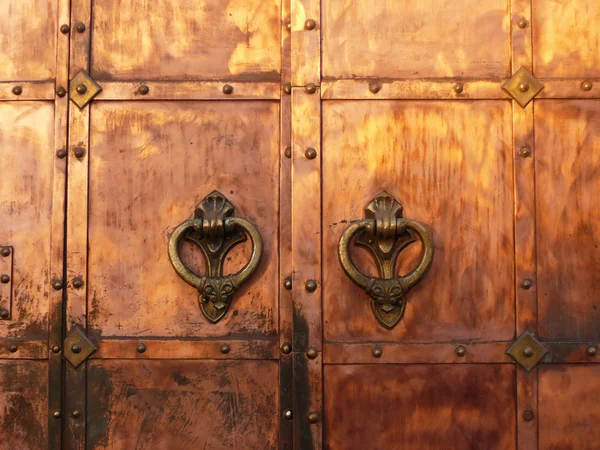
pixel 216 233
pixel 386 234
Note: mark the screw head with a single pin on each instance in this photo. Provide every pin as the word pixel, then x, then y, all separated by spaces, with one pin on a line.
pixel 227 89
pixel 287 88
pixel 311 88
pixel 591 350
pixel 225 349
pixel 4 314
pixel 4 278
pixel 522 23
pixel 374 87
pixel 5 251
pixel 64 29
pixel 13 348
pixel 528 351
pixel 79 152
pixel 523 87
pixel 17 90
pixel 143 89
pixel 312 417
pixel 312 353
pixel 287 283
pixel 458 88
pixel 527 283
pixel 586 86
pixel 310 153
pixel 461 351
pixel 76 414
pixel 141 347
pixel 311 285
pixel 528 415
pixel 286 349
pixel 61 91
pixel 57 284
pixel 81 89
pixel 525 152
pixel 288 152
pixel 377 352
pixel 76 348
pixel 77 283
pixel 310 24
pixel 56 414
pixel 55 349
pixel 80 27
pixel 288 414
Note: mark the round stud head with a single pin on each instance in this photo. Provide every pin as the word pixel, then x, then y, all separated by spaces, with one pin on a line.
pixel 141 347
pixel 523 87
pixel 310 24
pixel 311 88
pixel 527 284
pixel 528 351
pixel 56 414
pixel 61 92
pixel 77 283
pixel 81 89
pixel 143 89
pixel 76 348
pixel 311 285
pixel 4 314
pixel 57 284
pixel 80 27
pixel 525 152
pixel 55 349
pixel 522 23
pixel 288 414
pixel 310 153
pixel 312 417
pixel 591 351
pixel 4 278
pixel 79 152
pixel 586 86
pixel 461 351
pixel 312 353
pixel 5 251
pixel 528 415
pixel 287 88
pixel 225 349
pixel 377 352
pixel 17 90
pixel 286 349
pixel 288 152
pixel 64 28
pixel 287 283
pixel 13 348
pixel 228 89
pixel 458 88
pixel 76 414
pixel 374 87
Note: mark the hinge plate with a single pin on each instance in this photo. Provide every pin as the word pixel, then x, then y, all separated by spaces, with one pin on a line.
pixel 527 351
pixel 82 89
pixel 523 86
pixel 77 347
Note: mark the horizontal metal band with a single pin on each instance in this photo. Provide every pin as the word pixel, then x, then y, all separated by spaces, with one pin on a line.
pixel 15 349
pixel 26 90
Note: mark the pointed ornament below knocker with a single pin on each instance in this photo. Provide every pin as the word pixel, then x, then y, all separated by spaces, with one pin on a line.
pixel 214 229
pixel 386 233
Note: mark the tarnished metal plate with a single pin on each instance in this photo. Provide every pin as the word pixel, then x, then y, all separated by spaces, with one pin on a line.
pixel 83 89
pixel 77 347
pixel 6 275
pixel 523 86
pixel 527 351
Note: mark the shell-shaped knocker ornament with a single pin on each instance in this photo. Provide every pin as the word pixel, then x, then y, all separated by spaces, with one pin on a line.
pixel 214 229
pixel 386 233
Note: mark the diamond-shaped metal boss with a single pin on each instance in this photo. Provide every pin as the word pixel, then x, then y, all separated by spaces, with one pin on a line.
pixel 523 86
pixel 527 351
pixel 83 89
pixel 78 347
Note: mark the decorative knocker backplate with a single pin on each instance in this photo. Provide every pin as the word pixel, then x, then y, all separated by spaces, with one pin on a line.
pixel 216 232
pixel 386 233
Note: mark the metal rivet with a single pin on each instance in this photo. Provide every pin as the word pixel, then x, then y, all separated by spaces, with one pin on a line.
pixel 286 349
pixel 591 350
pixel 526 283
pixel 77 283
pixel 81 89
pixel 287 88
pixel 64 29
pixel 310 153
pixel 528 351
pixel 141 347
pixel 522 23
pixel 377 352
pixel 79 152
pixel 288 152
pixel 56 349
pixel 56 414
pixel 225 349
pixel 4 278
pixel 311 285
pixel 61 153
pixel 458 88
pixel 57 284
pixel 4 314
pixel 13 348
pixel 61 92
pixel 228 89
pixel 17 90
pixel 288 414
pixel 313 417
pixel 311 88
pixel 80 27
pixel 76 348
pixel 312 353
pixel 288 26
pixel 523 87
pixel 374 87
pixel 287 283
pixel 461 351
pixel 528 415
pixel 586 86
pixel 143 89
pixel 525 152
pixel 5 251
pixel 310 24
pixel 76 414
